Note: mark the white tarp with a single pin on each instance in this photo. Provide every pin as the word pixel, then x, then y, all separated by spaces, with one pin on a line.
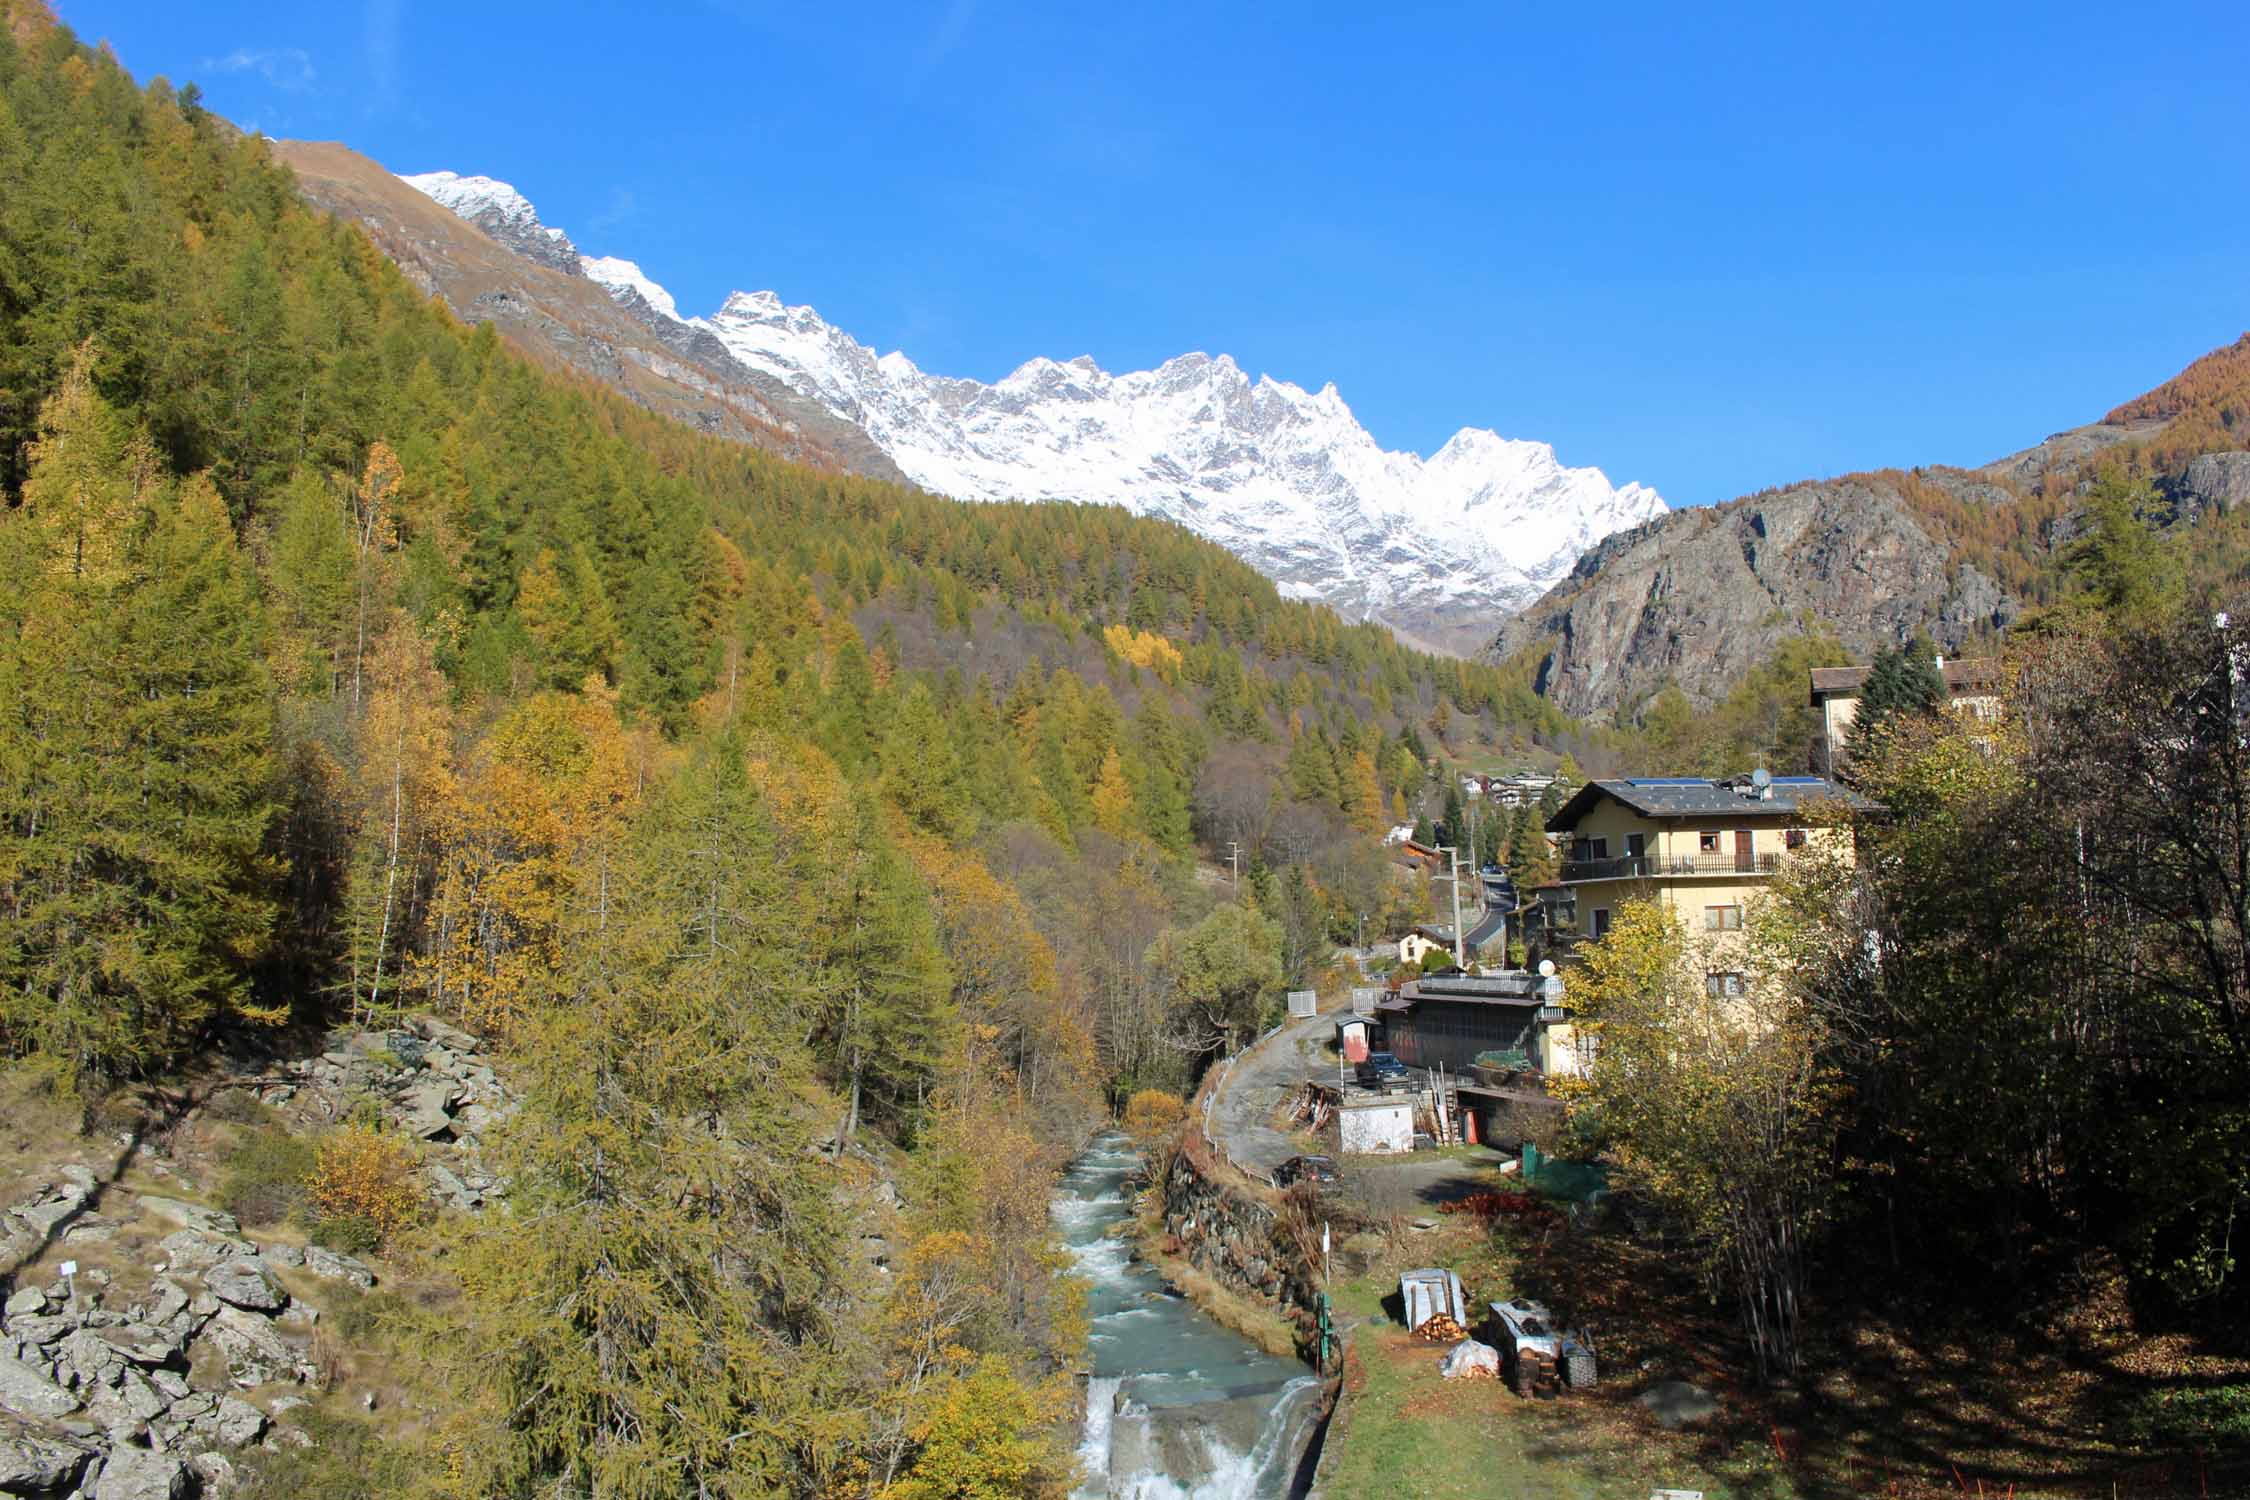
pixel 1470 1355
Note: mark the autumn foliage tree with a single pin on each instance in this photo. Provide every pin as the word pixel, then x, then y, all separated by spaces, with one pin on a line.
pixel 1718 1104
pixel 135 753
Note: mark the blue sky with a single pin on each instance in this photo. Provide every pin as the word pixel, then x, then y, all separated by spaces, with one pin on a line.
pixel 1711 248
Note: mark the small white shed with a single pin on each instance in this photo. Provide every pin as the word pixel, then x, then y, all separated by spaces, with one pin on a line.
pixel 1378 1125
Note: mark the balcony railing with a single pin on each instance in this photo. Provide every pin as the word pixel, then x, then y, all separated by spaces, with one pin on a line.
pixel 1660 867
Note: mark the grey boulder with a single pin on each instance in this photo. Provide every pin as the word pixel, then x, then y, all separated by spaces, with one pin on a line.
pixel 140 1474
pixel 39 1466
pixel 28 1393
pixel 429 1108
pixel 245 1281
pixel 193 1249
pixel 253 1351
pixel 331 1266
pixel 193 1215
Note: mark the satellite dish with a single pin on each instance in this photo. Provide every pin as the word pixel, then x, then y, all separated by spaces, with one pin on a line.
pixel 1761 778
pixel 1546 968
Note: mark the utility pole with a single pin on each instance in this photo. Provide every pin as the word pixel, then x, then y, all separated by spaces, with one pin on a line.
pixel 1234 863
pixel 1460 938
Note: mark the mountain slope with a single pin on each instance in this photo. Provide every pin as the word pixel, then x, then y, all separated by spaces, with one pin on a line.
pixel 1284 478
pixel 492 261
pixel 1698 597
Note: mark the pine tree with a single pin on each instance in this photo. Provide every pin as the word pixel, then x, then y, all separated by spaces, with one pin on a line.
pixel 921 771
pixel 137 744
pixel 653 1320
pixel 847 707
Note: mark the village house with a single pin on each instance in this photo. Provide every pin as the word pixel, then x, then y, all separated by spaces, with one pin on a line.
pixel 1448 1019
pixel 1422 942
pixel 1696 846
pixel 1971 685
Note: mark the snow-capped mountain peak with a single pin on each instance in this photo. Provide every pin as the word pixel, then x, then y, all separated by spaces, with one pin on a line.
pixel 1285 478
pixel 502 212
pixel 621 277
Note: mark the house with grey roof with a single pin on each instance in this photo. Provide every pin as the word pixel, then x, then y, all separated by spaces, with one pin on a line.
pixel 1699 846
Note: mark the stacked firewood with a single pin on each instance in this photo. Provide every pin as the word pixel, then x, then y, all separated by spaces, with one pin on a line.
pixel 1441 1329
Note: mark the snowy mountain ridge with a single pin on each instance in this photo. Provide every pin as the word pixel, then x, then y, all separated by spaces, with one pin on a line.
pixel 1438 548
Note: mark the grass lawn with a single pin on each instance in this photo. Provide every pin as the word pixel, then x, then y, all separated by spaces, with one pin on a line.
pixel 1403 1429
pixel 1903 1408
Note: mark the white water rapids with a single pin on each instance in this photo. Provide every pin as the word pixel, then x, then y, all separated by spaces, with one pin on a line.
pixel 1177 1407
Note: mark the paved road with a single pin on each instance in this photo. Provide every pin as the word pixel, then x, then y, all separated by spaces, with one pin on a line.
pixel 1261 1078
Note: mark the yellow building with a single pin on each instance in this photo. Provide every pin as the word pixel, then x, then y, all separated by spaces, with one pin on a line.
pixel 1698 846
pixel 1970 685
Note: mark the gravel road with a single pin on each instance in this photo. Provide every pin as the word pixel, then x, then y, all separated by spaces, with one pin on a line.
pixel 1262 1077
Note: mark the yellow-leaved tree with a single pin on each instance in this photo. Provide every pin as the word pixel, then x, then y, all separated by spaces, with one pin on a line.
pixel 537 816
pixel 1710 1088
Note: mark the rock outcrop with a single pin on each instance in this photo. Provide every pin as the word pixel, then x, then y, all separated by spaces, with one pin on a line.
pixel 1699 595
pixel 147 1338
pixel 1235 1238
pixel 99 1370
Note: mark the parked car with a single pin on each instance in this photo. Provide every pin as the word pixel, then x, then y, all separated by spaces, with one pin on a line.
pixel 1317 1169
pixel 1383 1071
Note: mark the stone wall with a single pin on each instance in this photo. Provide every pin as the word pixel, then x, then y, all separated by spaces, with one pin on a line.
pixel 1231 1234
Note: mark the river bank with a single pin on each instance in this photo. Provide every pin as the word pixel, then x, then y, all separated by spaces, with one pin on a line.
pixel 1178 1406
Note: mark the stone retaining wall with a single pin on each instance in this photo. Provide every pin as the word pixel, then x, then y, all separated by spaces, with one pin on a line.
pixel 1233 1236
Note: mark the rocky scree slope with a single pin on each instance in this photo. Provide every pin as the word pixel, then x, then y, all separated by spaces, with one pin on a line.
pixel 1699 596
pixel 177 1342
pixel 479 245
pixel 183 1343
pixel 1286 479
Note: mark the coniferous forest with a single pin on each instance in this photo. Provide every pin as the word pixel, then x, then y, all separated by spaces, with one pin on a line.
pixel 771 821
pixel 795 841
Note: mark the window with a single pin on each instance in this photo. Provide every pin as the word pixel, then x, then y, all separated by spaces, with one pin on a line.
pixel 1723 986
pixel 1598 849
pixel 1708 841
pixel 1636 845
pixel 1721 918
pixel 1601 922
pixel 1793 838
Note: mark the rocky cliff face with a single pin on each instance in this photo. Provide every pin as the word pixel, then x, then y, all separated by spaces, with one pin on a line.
pixel 1700 595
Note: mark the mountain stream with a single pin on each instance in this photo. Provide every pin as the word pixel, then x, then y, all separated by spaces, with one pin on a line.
pixel 1177 1407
